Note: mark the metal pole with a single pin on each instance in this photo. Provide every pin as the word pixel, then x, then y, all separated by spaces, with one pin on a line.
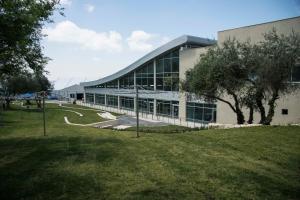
pixel 44 113
pixel 137 110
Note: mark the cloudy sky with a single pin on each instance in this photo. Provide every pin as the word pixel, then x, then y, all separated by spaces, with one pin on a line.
pixel 96 38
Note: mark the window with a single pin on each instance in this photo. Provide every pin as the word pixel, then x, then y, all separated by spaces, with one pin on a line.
pixel 112 84
pixel 167 108
pixel 127 103
pixel 146 105
pixel 145 76
pixel 296 73
pixel 72 95
pixel 284 111
pixel 89 97
pixel 112 101
pixel 167 72
pixel 127 81
pixel 201 112
pixel 100 99
pixel 100 86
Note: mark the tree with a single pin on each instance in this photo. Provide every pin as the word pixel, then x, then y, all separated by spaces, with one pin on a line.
pixel 21 32
pixel 220 72
pixel 21 53
pixel 24 83
pixel 279 54
pixel 252 74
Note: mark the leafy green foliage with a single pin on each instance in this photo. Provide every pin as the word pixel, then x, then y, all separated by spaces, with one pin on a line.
pixel 21 32
pixel 220 71
pixel 251 74
pixel 26 83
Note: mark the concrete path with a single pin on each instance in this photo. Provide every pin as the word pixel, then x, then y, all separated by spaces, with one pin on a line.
pixel 78 113
pixel 91 124
pixel 107 115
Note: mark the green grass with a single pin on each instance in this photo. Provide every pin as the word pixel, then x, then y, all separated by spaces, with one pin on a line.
pixel 88 163
pixel 164 129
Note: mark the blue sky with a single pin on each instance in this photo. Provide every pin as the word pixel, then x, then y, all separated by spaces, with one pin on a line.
pixel 96 38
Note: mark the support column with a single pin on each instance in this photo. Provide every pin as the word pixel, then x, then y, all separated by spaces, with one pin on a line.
pixel 94 98
pixel 84 97
pixel 182 106
pixel 119 102
pixel 154 107
pixel 135 104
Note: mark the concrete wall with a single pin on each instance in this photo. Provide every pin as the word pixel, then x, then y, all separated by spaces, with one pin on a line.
pixel 255 34
pixel 188 58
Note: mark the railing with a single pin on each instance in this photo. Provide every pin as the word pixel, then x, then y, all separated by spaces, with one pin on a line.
pixel 169 120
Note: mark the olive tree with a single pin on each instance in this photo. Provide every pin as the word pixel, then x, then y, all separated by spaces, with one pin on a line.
pixel 220 72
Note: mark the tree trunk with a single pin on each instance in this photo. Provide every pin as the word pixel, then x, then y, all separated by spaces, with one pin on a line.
pixel 239 113
pixel 38 103
pixel 7 101
pixel 261 108
pixel 250 120
pixel 272 106
pixel 240 116
pixel 28 102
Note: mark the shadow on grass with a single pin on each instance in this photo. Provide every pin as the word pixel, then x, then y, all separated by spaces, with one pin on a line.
pixel 34 168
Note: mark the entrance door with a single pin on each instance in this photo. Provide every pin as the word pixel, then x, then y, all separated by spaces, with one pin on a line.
pixel 174 111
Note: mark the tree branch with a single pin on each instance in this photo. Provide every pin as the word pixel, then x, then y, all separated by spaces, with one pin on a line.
pixel 223 100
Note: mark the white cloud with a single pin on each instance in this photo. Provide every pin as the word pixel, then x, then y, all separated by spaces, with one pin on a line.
pixel 69 32
pixel 96 59
pixel 65 2
pixel 140 41
pixel 89 8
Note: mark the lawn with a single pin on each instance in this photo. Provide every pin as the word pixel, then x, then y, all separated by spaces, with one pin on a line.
pixel 74 162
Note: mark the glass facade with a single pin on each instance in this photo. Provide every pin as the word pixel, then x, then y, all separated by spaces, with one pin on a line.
pixel 89 97
pixel 201 112
pixel 127 81
pixel 145 76
pixel 100 99
pixel 112 84
pixel 101 86
pixel 112 100
pixel 167 72
pixel 127 103
pixel 146 105
pixel 167 108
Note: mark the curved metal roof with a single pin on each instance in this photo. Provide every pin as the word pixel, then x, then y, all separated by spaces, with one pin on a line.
pixel 180 41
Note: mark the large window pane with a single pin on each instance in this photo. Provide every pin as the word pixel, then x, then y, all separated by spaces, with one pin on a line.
pixel 167 108
pixel 100 99
pixel 89 97
pixel 127 103
pixel 168 69
pixel 112 100
pixel 201 112
pixel 296 74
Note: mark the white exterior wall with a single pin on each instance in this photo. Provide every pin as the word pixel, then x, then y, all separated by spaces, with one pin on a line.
pixel 188 58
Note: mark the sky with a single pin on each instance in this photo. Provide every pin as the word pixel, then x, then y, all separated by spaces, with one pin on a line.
pixel 96 38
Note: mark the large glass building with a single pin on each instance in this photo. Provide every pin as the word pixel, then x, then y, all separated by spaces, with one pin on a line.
pixel 157 76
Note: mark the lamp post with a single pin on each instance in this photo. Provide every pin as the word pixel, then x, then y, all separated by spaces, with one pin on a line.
pixel 44 118
pixel 137 110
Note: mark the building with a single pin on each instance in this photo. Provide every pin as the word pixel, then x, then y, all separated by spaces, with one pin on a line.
pixel 158 74
pixel 73 92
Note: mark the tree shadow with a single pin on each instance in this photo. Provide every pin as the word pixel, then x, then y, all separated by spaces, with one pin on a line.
pixel 34 168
